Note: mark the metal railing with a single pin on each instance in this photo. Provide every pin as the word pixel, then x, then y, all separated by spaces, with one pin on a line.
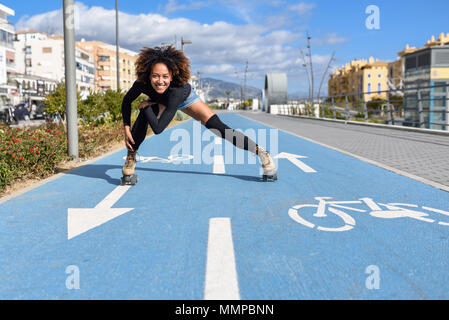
pixel 420 107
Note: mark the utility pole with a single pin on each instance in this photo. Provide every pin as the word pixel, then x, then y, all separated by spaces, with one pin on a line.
pixel 70 78
pixel 304 64
pixel 311 65
pixel 241 87
pixel 199 78
pixel 183 42
pixel 117 45
pixel 246 71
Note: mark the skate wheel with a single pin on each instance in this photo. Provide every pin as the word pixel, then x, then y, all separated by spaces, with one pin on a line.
pixel 273 177
pixel 128 180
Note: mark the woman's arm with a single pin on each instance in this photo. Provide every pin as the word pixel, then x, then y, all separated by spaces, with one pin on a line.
pixel 129 97
pixel 175 96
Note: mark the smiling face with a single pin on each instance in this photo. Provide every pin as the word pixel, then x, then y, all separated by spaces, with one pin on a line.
pixel 160 77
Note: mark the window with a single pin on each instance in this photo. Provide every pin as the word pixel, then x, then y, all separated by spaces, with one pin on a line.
pixel 379 87
pixel 424 60
pixel 379 75
pixel 369 87
pixel 369 76
pixel 410 63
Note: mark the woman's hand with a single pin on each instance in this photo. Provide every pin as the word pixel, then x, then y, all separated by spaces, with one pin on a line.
pixel 128 138
pixel 161 109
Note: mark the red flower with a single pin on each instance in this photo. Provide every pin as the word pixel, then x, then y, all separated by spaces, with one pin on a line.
pixel 13 155
pixel 31 150
pixel 37 151
pixel 21 158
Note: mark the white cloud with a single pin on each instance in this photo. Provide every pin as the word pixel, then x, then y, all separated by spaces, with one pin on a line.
pixel 330 39
pixel 173 6
pixel 302 8
pixel 217 49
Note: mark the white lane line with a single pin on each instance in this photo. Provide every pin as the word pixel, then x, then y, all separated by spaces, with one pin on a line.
pixel 219 165
pixel 221 272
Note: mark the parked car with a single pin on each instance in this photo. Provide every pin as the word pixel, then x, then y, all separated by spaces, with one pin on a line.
pixel 21 112
pixel 38 112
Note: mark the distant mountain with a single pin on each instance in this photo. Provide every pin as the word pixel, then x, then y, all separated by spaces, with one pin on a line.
pixel 218 89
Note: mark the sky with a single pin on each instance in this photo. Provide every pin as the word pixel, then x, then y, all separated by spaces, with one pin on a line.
pixel 269 34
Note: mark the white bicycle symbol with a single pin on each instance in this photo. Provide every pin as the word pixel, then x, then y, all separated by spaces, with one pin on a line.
pixel 394 210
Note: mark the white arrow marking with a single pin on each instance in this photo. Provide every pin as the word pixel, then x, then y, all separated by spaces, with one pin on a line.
pixel 293 158
pixel 82 220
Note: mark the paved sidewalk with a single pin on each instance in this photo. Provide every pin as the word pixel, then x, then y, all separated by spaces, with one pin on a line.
pixel 420 154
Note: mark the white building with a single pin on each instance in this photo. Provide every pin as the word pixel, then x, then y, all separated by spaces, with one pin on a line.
pixel 42 55
pixel 7 52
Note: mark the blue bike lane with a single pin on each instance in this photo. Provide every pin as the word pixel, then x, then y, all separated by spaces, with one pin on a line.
pixel 160 248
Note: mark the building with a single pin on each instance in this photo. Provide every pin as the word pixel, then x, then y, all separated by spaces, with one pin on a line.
pixel 426 80
pixel 42 55
pixel 106 65
pixel 360 79
pixel 396 76
pixel 426 106
pixel 30 89
pixel 7 54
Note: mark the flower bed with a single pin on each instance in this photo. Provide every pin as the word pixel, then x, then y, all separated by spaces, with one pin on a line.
pixel 35 152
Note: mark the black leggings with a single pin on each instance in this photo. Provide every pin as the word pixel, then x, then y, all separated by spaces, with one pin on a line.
pixel 214 124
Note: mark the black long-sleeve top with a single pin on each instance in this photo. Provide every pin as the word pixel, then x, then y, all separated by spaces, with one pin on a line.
pixel 171 99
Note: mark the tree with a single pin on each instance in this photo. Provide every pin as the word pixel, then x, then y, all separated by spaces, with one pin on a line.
pixel 55 102
pixel 92 107
pixel 113 104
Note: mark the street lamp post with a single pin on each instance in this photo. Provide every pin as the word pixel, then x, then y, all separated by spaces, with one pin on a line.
pixel 117 45
pixel 70 78
pixel 311 65
pixel 183 42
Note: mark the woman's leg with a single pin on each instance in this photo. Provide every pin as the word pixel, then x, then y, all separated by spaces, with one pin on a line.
pixel 201 112
pixel 139 130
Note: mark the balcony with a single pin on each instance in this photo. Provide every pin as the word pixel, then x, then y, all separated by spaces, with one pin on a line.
pixel 7 26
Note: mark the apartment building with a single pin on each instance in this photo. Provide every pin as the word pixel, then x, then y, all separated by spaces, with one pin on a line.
pixel 106 65
pixel 7 54
pixel 42 55
pixel 362 79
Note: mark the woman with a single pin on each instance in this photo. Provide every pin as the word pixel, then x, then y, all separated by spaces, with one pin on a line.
pixel 163 74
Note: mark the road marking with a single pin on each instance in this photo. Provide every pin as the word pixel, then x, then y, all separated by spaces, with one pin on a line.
pixel 293 158
pixel 219 165
pixel 221 273
pixel 80 220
